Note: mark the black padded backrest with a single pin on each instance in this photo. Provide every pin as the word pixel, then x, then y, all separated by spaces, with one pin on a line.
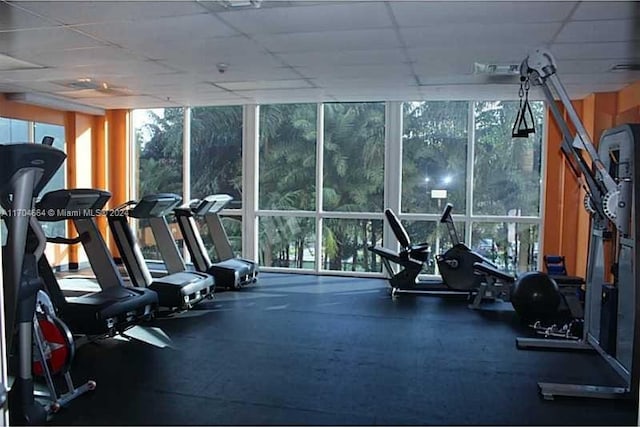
pixel 398 229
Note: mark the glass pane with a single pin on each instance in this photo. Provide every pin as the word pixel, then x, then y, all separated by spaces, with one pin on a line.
pixel 345 244
pixel 147 242
pixel 287 242
pixel 13 130
pixel 232 226
pixel 512 246
pixel 53 229
pixel 434 155
pixel 287 156
pixel 506 173
pixel 353 157
pixel 158 136
pixel 216 152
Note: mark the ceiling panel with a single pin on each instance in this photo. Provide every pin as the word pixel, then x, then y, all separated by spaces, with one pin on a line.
pixel 573 66
pixel 309 18
pixel 43 40
pixel 264 84
pixel 390 83
pixel 79 57
pixel 331 41
pixel 14 18
pixel 218 48
pixel 345 57
pixel 598 10
pixel 423 13
pixel 397 70
pixel 509 35
pixel 611 50
pixel 75 12
pixel 175 30
pixel 598 31
pixel 169 51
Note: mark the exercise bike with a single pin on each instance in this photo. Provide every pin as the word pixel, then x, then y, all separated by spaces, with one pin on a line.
pixel 463 271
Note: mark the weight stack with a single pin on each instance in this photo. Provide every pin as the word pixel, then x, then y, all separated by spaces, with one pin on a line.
pixel 609 318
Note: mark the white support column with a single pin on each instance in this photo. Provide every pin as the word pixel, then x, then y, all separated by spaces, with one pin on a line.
pixel 186 165
pixel 250 174
pixel 186 154
pixel 392 166
pixel 471 136
pixel 319 182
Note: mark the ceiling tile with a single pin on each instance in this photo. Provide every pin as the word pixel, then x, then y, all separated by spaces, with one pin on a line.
pixel 309 18
pixel 357 71
pixel 43 40
pixel 598 31
pixel 14 18
pixel 584 67
pixel 509 35
pixel 178 29
pixel 264 84
pixel 220 49
pixel 423 13
pixel 84 12
pixel 598 10
pixel 345 57
pixel 79 57
pixel 331 41
pixel 595 50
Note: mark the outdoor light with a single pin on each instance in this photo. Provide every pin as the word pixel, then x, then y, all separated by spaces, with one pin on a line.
pixel 447 179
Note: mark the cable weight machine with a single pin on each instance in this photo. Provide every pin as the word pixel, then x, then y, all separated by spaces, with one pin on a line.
pixel 608 175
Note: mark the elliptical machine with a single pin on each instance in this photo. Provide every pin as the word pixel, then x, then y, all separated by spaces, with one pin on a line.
pixel 24 170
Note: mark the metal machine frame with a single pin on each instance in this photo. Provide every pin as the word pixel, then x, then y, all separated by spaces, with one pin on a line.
pixel 611 202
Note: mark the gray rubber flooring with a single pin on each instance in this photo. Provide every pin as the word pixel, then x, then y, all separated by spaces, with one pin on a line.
pixel 300 350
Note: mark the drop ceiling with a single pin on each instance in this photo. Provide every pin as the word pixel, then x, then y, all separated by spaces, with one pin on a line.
pixel 169 53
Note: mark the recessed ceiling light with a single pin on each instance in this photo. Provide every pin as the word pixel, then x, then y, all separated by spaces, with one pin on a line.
pixel 625 67
pixel 241 3
pixel 496 69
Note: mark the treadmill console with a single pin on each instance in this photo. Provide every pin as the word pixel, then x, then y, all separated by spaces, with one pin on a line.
pixel 155 205
pixel 76 203
pixel 211 204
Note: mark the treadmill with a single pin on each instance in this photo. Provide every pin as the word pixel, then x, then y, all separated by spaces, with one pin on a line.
pixel 115 307
pixel 230 272
pixel 177 291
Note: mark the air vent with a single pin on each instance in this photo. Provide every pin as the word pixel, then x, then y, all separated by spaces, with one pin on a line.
pixel 496 69
pixel 625 67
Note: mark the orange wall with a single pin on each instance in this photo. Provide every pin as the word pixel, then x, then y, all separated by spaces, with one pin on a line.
pixel 566 223
pixel 80 139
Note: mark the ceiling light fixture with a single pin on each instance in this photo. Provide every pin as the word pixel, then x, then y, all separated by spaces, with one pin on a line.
pixel 235 4
pixel 625 67
pixel 496 69
pixel 54 102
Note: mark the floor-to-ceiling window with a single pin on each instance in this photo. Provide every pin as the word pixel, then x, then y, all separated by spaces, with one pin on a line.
pixel 21 131
pixel 158 158
pixel 353 183
pixel 322 177
pixel 216 166
pixel 287 186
